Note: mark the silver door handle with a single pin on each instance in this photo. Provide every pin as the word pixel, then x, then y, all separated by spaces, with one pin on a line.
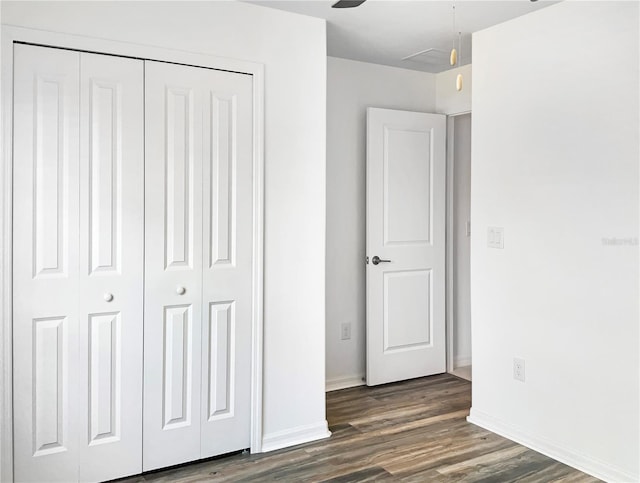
pixel 376 259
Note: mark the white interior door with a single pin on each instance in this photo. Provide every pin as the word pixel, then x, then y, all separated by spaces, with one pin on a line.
pixel 111 266
pixel 405 245
pixel 173 265
pixel 228 262
pixel 198 263
pixel 78 163
pixel 45 264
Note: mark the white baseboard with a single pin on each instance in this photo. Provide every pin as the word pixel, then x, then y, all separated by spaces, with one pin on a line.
pixel 294 436
pixel 558 452
pixel 461 361
pixel 344 382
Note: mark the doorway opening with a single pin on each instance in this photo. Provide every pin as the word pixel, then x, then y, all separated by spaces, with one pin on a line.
pixel 458 245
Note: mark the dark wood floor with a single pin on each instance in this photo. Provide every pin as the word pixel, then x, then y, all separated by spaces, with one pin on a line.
pixel 412 431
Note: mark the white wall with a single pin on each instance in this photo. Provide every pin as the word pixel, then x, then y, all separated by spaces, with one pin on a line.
pixel 351 88
pixel 448 99
pixel 295 143
pixel 555 162
pixel 461 241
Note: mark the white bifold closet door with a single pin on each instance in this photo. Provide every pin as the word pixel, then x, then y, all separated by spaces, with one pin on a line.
pixel 198 263
pixel 78 265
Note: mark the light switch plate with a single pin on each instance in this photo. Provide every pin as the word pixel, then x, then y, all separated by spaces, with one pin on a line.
pixel 495 237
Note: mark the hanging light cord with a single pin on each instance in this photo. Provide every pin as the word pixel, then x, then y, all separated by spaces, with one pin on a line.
pixel 453 27
pixel 453 58
pixel 456 55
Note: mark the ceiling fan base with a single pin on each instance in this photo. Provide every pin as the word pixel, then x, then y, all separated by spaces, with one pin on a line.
pixel 348 3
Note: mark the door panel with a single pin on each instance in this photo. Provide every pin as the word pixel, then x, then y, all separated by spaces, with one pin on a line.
pixel 111 266
pixel 51 344
pixel 180 170
pixel 407 317
pixel 199 243
pixel 105 377
pixel 221 351
pixel 45 266
pixel 173 264
pixel 227 275
pixel 78 164
pixel 177 397
pixel 220 192
pixel 50 233
pixel 407 186
pixel 405 225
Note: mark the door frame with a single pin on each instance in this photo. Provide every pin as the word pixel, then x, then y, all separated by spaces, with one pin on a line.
pixel 449 248
pixel 11 35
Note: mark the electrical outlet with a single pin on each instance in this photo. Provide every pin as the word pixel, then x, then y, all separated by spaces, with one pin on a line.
pixel 518 369
pixel 345 331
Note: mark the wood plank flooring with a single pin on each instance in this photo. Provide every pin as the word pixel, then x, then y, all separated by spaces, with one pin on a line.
pixel 412 431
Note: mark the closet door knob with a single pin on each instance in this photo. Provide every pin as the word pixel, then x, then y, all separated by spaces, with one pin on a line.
pixel 108 297
pixel 180 290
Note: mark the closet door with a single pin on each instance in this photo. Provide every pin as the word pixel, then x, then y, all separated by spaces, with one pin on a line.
pixel 111 266
pixel 199 238
pixel 227 273
pixel 78 265
pixel 173 264
pixel 45 269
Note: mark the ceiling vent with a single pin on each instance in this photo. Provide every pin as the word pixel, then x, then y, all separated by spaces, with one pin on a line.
pixel 430 57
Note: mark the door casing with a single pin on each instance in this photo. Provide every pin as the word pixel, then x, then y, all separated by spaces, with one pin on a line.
pixel 12 35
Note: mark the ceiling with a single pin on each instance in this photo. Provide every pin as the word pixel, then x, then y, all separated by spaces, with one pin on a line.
pixel 387 31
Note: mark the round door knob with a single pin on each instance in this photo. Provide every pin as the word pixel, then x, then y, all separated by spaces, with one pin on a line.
pixel 180 290
pixel 108 297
